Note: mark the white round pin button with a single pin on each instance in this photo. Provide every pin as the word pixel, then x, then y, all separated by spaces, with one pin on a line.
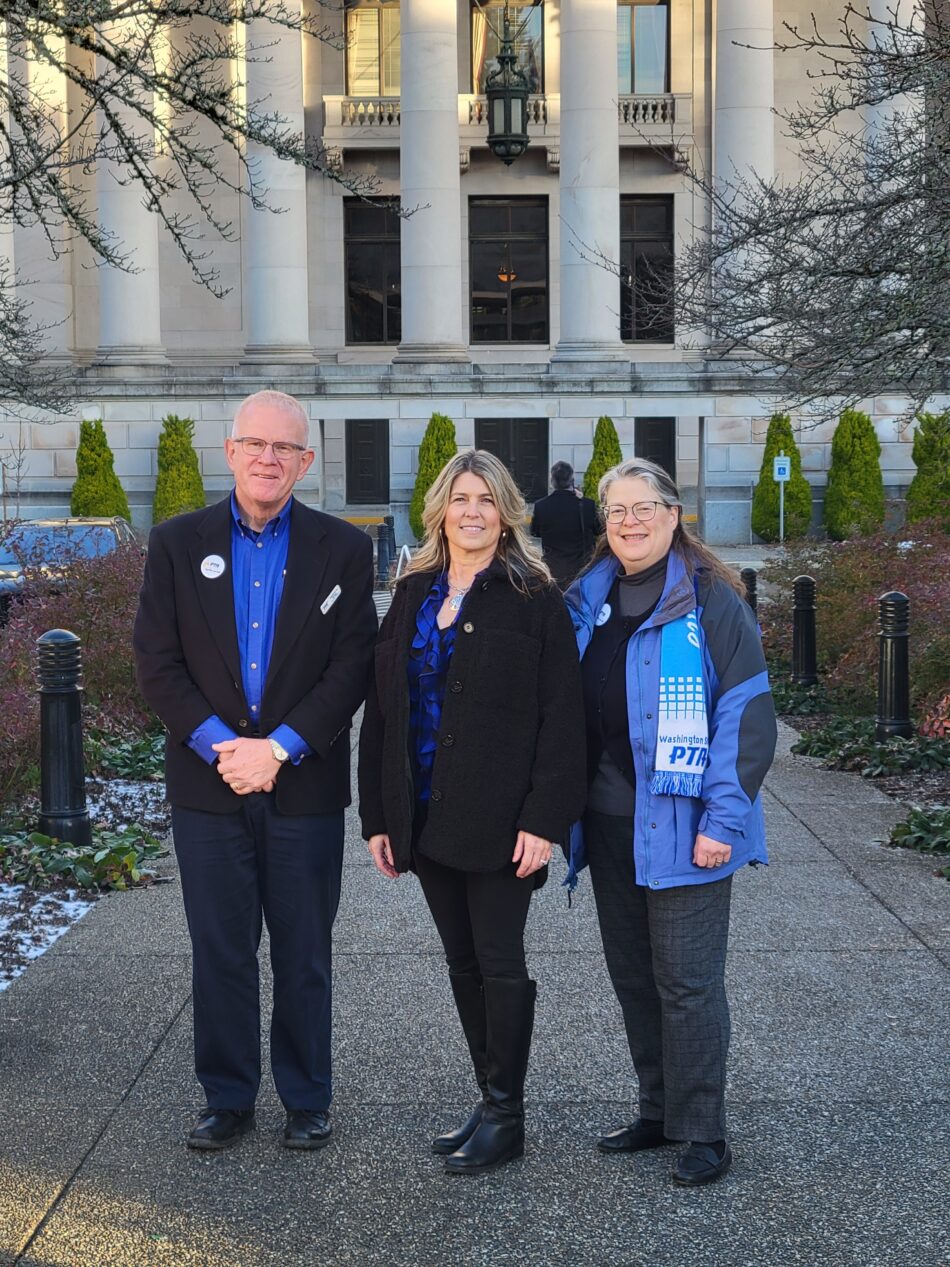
pixel 603 615
pixel 212 566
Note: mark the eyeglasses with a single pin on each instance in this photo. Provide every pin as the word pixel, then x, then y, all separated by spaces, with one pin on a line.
pixel 643 512
pixel 282 449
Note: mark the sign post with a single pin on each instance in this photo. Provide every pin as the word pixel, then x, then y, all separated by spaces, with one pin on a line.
pixel 781 473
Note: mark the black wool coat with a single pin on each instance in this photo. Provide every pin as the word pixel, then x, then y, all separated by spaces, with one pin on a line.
pixel 511 750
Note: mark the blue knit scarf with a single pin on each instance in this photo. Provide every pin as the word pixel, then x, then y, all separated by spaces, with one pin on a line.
pixel 682 745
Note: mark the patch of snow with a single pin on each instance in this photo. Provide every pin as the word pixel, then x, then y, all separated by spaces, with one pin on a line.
pixel 31 922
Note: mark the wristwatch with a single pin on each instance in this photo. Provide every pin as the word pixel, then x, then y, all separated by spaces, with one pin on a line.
pixel 280 753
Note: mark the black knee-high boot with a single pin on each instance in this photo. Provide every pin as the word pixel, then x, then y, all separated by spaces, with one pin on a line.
pixel 470 1002
pixel 499 1136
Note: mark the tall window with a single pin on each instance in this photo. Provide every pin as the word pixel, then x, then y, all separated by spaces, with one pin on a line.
pixel 643 46
pixel 372 48
pixel 646 269
pixel 522 444
pixel 373 297
pixel 508 264
pixel 527 22
pixel 367 461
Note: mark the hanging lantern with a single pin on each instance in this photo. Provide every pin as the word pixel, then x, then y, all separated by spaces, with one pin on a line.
pixel 507 91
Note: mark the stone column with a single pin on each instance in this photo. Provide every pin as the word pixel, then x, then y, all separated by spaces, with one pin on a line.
pixel 431 239
pixel 744 93
pixel 130 323
pixel 589 184
pixel 275 245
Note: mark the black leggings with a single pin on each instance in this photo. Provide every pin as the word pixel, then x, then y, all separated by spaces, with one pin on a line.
pixel 480 916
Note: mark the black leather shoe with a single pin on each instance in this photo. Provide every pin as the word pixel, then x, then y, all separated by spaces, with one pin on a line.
pixel 451 1140
pixel 634 1138
pixel 702 1163
pixel 307 1128
pixel 220 1128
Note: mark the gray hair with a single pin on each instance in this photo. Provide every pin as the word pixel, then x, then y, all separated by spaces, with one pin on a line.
pixel 641 469
pixel 279 401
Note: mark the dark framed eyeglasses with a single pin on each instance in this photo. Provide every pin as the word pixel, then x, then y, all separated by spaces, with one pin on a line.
pixel 643 512
pixel 282 449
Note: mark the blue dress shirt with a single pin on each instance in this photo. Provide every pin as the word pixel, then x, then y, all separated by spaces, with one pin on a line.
pixel 258 565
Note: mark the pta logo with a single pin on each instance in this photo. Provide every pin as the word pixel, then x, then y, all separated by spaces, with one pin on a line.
pixel 696 757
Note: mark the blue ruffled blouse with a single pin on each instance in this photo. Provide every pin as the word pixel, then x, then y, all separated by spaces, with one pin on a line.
pixel 428 665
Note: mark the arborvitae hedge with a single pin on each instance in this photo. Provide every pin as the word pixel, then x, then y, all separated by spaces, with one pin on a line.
pixel 854 500
pixel 607 453
pixel 929 494
pixel 438 445
pixel 97 490
pixel 178 484
pixel 781 439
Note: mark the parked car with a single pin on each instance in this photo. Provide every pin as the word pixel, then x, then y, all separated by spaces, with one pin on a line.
pixel 46 546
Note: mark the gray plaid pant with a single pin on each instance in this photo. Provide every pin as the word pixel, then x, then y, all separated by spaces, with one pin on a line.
pixel 666 955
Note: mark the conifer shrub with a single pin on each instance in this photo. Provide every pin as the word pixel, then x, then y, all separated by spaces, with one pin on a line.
pixel 765 498
pixel 854 500
pixel 929 494
pixel 438 445
pixel 97 490
pixel 178 485
pixel 607 453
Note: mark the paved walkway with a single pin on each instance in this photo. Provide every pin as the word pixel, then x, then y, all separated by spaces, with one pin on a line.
pixel 838 1093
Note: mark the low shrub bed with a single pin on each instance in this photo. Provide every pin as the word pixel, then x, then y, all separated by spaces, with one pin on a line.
pixel 117 859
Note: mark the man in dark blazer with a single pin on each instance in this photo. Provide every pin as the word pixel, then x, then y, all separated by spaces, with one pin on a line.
pixel 253 641
pixel 567 525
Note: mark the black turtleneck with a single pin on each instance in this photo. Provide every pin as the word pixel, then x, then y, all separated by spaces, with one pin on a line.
pixel 631 601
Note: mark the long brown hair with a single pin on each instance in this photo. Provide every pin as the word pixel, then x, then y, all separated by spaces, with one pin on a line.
pixel 521 560
pixel 697 556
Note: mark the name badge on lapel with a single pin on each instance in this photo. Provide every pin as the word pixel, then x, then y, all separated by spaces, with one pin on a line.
pixel 212 566
pixel 330 599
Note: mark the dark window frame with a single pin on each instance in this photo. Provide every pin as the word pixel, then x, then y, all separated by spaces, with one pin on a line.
pixel 504 241
pixel 389 236
pixel 628 289
pixel 635 4
pixel 641 440
pixel 383 473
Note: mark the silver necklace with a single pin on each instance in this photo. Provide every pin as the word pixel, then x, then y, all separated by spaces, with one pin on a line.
pixel 455 600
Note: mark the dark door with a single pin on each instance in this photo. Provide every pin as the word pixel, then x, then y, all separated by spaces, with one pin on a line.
pixel 522 444
pixel 367 461
pixel 655 438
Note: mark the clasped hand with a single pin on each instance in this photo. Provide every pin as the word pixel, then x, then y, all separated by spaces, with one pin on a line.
pixel 247 765
pixel 531 853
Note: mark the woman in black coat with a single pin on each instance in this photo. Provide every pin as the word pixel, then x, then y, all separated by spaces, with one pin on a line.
pixel 470 767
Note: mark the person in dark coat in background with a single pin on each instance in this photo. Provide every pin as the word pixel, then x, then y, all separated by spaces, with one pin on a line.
pixel 567 524
pixel 472 766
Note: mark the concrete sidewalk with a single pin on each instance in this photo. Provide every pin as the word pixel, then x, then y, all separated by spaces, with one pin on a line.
pixel 838 1096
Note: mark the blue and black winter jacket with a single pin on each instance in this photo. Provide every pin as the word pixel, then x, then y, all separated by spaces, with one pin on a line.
pixel 740 717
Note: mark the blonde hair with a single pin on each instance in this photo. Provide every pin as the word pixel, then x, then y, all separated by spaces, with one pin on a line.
pixel 696 555
pixel 514 551
pixel 278 401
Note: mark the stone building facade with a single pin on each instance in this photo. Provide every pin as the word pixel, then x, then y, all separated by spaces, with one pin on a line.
pixel 487 303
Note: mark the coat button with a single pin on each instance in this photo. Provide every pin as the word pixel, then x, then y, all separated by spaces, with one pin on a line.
pixel 243 723
pixel 435 795
pixel 468 627
pixel 649 716
pixel 448 741
pixel 455 687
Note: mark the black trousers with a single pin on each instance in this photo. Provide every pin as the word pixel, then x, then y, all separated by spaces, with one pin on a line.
pixel 666 955
pixel 480 916
pixel 235 870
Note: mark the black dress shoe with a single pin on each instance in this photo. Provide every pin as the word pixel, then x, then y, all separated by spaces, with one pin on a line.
pixel 307 1128
pixel 220 1128
pixel 641 1134
pixel 451 1140
pixel 703 1163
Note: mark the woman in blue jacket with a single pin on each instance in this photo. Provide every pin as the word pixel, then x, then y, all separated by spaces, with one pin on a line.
pixel 680 735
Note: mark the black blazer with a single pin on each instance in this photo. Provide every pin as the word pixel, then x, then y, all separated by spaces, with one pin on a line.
pixel 511 752
pixel 567 525
pixel 189 665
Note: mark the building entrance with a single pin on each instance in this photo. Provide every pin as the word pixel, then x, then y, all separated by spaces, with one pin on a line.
pixel 522 444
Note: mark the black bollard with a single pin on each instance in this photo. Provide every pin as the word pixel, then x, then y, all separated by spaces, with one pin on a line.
pixel 383 556
pixel 893 679
pixel 390 523
pixel 750 579
pixel 63 811
pixel 804 645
